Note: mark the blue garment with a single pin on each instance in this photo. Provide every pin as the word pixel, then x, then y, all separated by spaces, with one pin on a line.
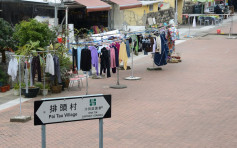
pixel 161 59
pixel 78 58
pixel 128 48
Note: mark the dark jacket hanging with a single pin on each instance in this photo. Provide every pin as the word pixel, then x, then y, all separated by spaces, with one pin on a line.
pixel 57 68
pixel 85 59
pixel 36 69
pixel 74 58
pixel 161 59
pixel 105 62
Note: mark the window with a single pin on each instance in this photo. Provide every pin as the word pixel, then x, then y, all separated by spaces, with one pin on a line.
pixel 150 7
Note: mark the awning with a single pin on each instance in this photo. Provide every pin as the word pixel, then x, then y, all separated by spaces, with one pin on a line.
pixel 203 1
pixel 94 5
pixel 145 3
pixel 127 4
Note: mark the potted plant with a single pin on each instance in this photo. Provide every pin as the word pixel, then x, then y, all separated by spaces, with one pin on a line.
pixel 65 65
pixel 43 91
pixel 3 81
pixel 16 90
pixel 3 89
pixel 32 91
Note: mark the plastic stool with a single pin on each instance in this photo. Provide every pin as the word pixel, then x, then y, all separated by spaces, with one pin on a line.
pixel 216 22
pixel 206 21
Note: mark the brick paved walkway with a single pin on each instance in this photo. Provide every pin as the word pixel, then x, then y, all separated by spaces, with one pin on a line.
pixel 191 104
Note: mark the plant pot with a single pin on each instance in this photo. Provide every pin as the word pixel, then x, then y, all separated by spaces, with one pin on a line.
pixel 67 83
pixel 44 92
pixel 3 89
pixel 16 92
pixel 32 92
pixel 63 85
pixel 8 87
pixel 57 89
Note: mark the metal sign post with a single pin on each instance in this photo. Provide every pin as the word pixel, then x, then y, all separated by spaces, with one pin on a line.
pixel 69 109
pixel 86 83
pixel 100 133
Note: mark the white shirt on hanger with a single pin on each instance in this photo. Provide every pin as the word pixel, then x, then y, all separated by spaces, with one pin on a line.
pixel 12 68
pixel 49 64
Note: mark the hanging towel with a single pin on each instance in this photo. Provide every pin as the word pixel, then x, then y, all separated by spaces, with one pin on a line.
pixel 123 55
pixel 12 68
pixel 49 64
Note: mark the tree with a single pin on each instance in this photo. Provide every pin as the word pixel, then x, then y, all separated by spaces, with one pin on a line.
pixel 34 31
pixel 6 38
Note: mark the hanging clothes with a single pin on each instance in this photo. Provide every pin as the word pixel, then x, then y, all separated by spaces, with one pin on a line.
pixel 105 62
pixel 31 78
pixel 161 58
pixel 112 58
pixel 128 48
pixel 94 58
pixel 117 44
pixel 26 76
pixel 78 58
pixel 146 45
pixel 123 55
pixel 36 69
pixel 49 64
pixel 74 59
pixel 85 59
pixel 139 43
pixel 158 43
pixel 12 68
pixel 154 45
pixel 57 68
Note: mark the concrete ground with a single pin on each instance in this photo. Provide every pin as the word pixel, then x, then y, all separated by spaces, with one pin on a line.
pixel 191 104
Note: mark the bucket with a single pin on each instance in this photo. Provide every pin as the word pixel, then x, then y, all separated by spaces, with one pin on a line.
pixel 218 31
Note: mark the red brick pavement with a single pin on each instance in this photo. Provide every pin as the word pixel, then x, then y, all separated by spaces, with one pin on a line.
pixel 191 104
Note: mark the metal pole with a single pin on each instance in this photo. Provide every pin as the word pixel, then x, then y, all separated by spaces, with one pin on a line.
pixel 117 75
pixel 67 45
pixel 44 74
pixel 20 80
pixel 55 15
pixel 176 13
pixel 86 83
pixel 101 133
pixel 189 25
pixel 43 133
pixel 132 62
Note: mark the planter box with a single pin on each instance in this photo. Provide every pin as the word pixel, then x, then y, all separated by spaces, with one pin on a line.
pixel 3 89
pixel 44 92
pixel 16 92
pixel 57 89
pixel 32 92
